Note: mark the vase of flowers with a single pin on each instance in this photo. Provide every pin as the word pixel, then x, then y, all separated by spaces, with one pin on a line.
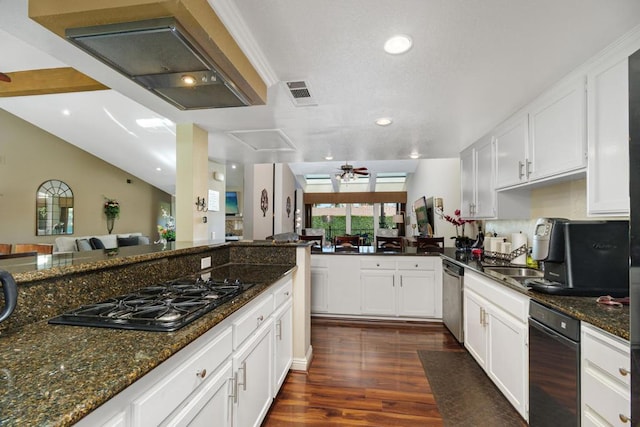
pixel 462 242
pixel 111 211
pixel 167 231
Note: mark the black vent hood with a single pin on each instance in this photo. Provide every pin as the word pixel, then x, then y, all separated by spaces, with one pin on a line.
pixel 158 54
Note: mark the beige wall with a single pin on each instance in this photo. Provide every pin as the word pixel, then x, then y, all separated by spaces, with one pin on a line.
pixel 29 156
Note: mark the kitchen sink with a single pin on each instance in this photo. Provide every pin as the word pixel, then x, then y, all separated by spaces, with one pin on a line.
pixel 515 272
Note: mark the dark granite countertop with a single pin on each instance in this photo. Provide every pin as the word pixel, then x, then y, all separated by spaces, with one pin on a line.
pixel 611 319
pixel 53 375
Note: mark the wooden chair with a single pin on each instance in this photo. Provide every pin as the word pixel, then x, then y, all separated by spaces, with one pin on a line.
pixel 347 243
pixel 42 249
pixel 430 244
pixel 389 244
pixel 5 248
pixel 19 255
pixel 317 242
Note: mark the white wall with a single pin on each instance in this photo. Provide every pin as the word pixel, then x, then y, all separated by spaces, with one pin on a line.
pixel 216 220
pixel 437 178
pixel 285 186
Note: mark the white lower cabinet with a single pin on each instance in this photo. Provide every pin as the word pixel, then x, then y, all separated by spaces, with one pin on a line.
pixel 496 335
pixel 400 287
pixel 227 377
pixel 605 390
pixel 319 285
pixel 283 339
pixel 252 370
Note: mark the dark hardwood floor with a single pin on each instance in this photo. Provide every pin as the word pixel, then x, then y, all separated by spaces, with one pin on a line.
pixel 363 374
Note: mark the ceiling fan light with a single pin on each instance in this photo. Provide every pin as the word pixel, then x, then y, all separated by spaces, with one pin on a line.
pixel 398 44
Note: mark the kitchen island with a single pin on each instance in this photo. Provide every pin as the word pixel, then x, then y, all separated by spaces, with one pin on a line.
pixel 55 375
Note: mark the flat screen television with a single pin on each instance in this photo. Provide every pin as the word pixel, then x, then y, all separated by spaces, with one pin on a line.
pixel 424 215
pixel 231 203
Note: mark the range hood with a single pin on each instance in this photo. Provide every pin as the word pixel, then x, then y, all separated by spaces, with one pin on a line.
pixel 159 55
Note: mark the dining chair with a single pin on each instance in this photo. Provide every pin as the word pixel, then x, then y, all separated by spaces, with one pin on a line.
pixel 43 249
pixel 389 244
pixel 317 242
pixel 5 248
pixel 430 244
pixel 347 243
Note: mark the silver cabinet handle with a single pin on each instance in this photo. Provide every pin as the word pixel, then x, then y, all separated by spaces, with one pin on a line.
pixel 624 418
pixel 528 169
pixel 623 372
pixel 482 316
pixel 234 387
pixel 259 319
pixel 243 367
pixel 520 170
pixel 279 330
pixel 202 373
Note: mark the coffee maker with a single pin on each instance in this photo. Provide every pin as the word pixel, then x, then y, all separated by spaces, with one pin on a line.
pixel 582 258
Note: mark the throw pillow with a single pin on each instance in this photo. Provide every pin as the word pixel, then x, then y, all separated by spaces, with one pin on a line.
pixel 83 245
pixel 127 241
pixel 143 240
pixel 96 243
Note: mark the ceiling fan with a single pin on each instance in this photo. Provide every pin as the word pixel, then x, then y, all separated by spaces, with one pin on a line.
pixel 5 78
pixel 349 172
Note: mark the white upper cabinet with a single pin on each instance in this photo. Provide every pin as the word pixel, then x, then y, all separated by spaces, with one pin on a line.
pixel 477 180
pixel 608 136
pixel 511 139
pixel 546 139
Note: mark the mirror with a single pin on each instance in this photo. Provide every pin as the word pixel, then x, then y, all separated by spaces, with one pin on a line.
pixel 54 208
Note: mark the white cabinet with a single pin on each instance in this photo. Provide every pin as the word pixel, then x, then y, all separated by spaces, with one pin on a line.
pixel 344 284
pixel 557 126
pixel 546 139
pixel 401 287
pixel 209 406
pixel 496 335
pixel 252 366
pixel 608 136
pixel 511 140
pixel 605 378
pixel 477 180
pixel 378 292
pixel 319 284
pixel 283 339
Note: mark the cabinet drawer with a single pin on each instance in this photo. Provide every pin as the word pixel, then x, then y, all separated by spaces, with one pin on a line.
pixel 319 261
pixel 512 302
pixel 418 264
pixel 245 325
pixel 161 399
pixel 377 264
pixel 606 356
pixel 283 293
pixel 607 400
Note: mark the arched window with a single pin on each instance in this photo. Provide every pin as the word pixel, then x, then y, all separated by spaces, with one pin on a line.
pixel 54 208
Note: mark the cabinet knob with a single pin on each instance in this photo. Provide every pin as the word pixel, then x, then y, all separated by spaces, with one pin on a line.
pixel 624 418
pixel 377 265
pixel 416 265
pixel 201 374
pixel 286 293
pixel 623 372
pixel 261 318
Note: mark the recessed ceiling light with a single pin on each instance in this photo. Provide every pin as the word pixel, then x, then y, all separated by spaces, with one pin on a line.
pixel 233 166
pixel 329 157
pixel 398 44
pixel 384 121
pixel 414 155
pixel 66 112
pixel 159 169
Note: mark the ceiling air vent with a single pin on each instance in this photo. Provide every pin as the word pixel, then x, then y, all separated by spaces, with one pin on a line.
pixel 300 94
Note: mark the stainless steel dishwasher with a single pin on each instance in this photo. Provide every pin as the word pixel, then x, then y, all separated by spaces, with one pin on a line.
pixel 554 368
pixel 452 289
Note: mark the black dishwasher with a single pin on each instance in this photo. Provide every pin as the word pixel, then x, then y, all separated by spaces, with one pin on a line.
pixel 554 368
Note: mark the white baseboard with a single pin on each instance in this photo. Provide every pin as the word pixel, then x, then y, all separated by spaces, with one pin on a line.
pixel 302 364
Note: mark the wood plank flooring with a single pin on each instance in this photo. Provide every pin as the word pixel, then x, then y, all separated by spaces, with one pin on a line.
pixel 363 374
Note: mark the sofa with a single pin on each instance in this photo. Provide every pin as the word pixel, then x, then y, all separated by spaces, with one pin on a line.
pixel 106 241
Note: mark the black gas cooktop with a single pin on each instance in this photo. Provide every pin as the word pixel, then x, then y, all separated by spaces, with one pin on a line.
pixel 164 307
